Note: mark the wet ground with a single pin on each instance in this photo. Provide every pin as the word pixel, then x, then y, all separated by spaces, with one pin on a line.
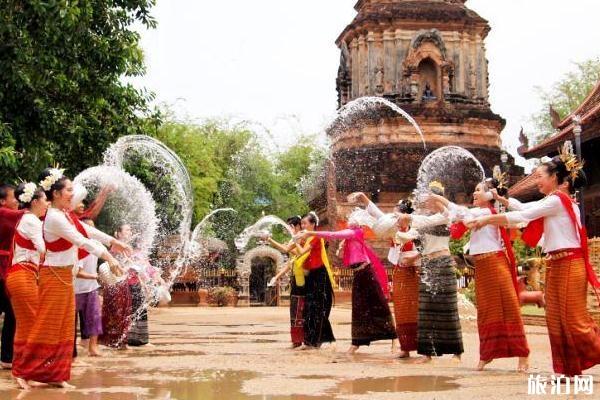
pixel 243 353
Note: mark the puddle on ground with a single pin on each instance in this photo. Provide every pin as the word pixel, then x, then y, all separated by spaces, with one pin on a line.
pixel 397 384
pixel 99 384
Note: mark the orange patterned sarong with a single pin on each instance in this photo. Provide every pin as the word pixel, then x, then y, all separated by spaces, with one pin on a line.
pixel 22 287
pixel 499 321
pixel 48 355
pixel 406 305
pixel 574 336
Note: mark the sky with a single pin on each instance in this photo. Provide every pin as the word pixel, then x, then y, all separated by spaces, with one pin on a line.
pixel 273 63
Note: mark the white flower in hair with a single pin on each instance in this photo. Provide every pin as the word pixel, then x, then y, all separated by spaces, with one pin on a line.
pixel 28 193
pixel 55 175
pixel 314 214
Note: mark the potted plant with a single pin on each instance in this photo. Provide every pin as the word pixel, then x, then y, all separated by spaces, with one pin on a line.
pixel 222 296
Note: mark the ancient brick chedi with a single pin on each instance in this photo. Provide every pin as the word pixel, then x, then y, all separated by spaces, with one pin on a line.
pixel 429 58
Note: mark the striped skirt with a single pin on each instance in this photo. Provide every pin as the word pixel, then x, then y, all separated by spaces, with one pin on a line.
pixel 501 331
pixel 406 305
pixel 22 287
pixel 438 326
pixel 296 312
pixel 48 353
pixel 138 332
pixel 574 336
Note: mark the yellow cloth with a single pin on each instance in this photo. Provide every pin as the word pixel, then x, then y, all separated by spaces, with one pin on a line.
pixel 298 265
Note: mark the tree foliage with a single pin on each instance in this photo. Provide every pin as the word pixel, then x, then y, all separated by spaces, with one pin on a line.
pixel 565 95
pixel 230 168
pixel 62 97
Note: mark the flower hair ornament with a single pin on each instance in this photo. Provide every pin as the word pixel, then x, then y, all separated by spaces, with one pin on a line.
pixel 567 156
pixel 55 175
pixel 28 193
pixel 314 214
pixel 500 177
pixel 437 185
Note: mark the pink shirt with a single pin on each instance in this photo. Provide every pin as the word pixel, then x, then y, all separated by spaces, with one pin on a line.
pixel 354 250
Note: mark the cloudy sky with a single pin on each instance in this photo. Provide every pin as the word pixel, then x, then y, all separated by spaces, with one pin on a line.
pixel 274 62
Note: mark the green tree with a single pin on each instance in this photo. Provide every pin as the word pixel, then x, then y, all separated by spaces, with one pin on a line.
pixel 63 96
pixel 565 95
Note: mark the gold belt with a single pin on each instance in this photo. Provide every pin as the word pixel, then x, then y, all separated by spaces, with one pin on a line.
pixel 560 255
pixel 485 256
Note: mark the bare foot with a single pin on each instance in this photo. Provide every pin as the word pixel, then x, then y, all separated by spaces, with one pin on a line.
pixel 63 385
pixel 94 353
pixel 523 364
pixel 482 364
pixel 423 360
pixel 5 365
pixel 353 349
pixel 23 384
pixel 305 347
pixel 404 354
pixel 456 359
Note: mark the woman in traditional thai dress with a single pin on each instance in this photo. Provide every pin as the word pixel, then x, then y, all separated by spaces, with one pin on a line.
pixel 438 326
pixel 499 321
pixel 574 336
pixel 296 282
pixel 319 286
pixel 405 280
pixel 371 316
pixel 117 303
pixel 48 355
pixel 21 280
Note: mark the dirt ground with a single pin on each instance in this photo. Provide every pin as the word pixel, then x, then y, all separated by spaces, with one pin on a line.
pixel 243 353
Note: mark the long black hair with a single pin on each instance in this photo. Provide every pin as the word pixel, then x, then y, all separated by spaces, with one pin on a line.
pixel 557 167
pixel 295 221
pixel 313 218
pixel 57 186
pixel 37 194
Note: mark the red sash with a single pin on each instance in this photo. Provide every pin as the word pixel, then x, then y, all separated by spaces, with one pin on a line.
pixel 62 244
pixel 16 236
pixel 505 235
pixel 535 230
pixel 408 246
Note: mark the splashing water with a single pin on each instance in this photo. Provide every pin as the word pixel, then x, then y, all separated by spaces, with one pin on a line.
pixel 195 244
pixel 260 228
pixel 357 112
pixel 159 156
pixel 130 203
pixel 170 165
pixel 452 166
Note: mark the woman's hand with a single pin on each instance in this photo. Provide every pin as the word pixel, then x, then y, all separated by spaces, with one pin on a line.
pixel 114 265
pixel 358 197
pixel 302 235
pixel 478 223
pixel 403 221
pixel 121 247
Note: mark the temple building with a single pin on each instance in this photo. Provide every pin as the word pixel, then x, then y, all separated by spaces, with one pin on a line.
pixel 429 58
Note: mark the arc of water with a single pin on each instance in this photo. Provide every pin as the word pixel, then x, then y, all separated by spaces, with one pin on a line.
pixel 438 158
pixel 362 103
pixel 259 227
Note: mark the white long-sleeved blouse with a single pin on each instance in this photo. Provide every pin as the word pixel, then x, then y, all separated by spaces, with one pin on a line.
pixel 57 225
pixel 30 227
